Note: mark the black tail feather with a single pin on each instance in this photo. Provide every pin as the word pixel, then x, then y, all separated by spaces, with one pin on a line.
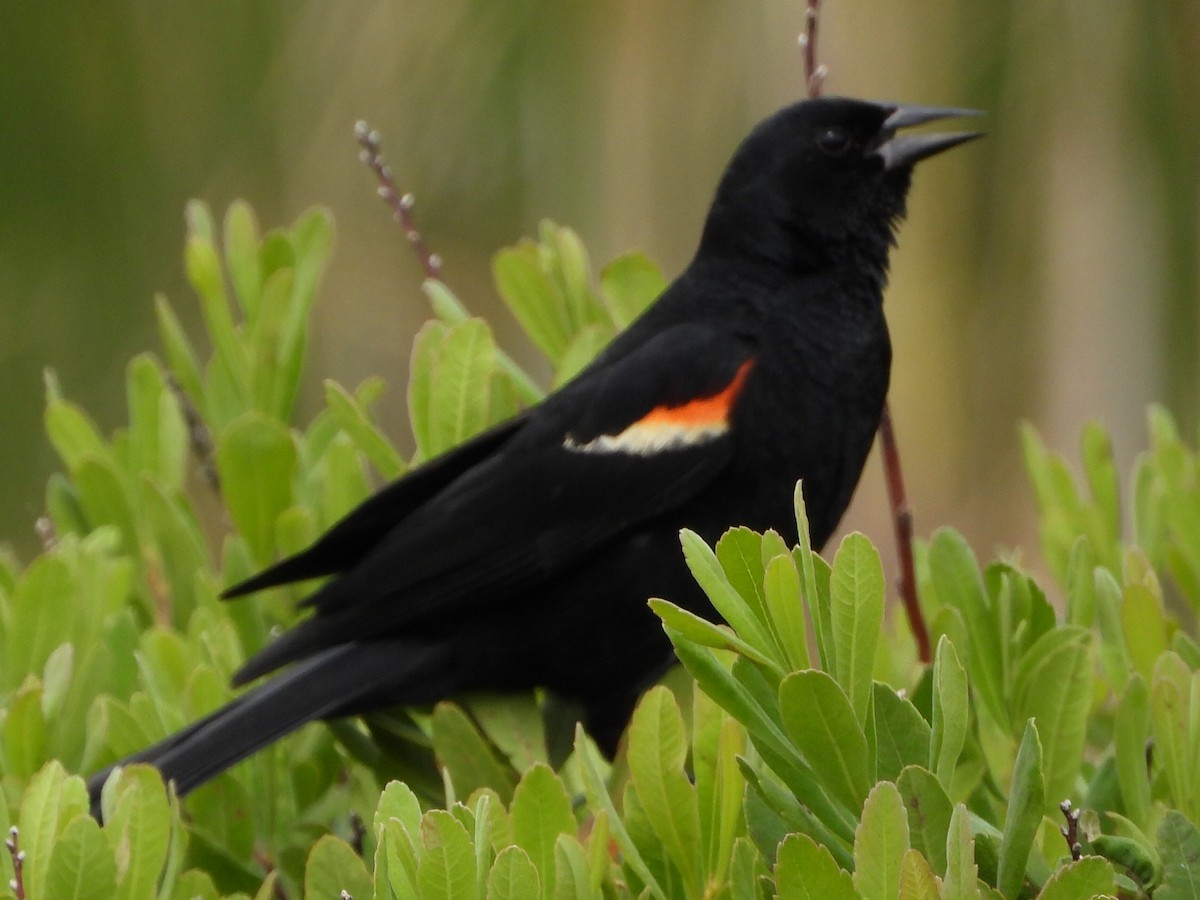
pixel 341 681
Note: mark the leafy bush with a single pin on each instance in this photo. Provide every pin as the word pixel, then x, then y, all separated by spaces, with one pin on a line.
pixel 815 759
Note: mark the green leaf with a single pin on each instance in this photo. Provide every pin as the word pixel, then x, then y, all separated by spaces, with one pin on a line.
pixel 399 802
pixel 958 585
pixel 781 585
pixel 1114 655
pixel 541 811
pixel 929 811
pixel 657 752
pixel 56 679
pixel 204 273
pixel 468 757
pixel 1171 712
pixel 24 731
pixel 630 283
pixel 423 363
pixel 857 618
pixel 514 724
pixel 461 386
pixel 753 711
pixel 599 799
pixel 732 606
pixel 353 420
pixel 513 876
pixel 105 498
pixel 1054 688
pixel 961 871
pixel 197 885
pixel 1026 800
pixel 700 631
pixel 400 852
pixel 917 881
pixel 264 339
pixel 73 434
pixel 241 255
pixel 585 345
pixel 1081 584
pixel 804 870
pixel 450 310
pixel 157 432
pixel 819 720
pixel 1134 854
pixel 807 563
pixel 256 460
pixel 880 843
pixel 181 356
pixel 1179 844
pixel 333 867
pixel 533 298
pixel 51 800
pixel 572 879
pixel 1144 625
pixel 138 827
pixel 176 551
pixel 951 712
pixel 1132 731
pixel 81 864
pixel 902 736
pixel 717 743
pixel 446 870
pixel 747 871
pixel 1090 876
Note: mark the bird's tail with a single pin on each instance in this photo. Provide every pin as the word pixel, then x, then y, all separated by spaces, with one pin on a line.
pixel 344 680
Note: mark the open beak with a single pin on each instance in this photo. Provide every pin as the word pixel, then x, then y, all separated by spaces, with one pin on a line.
pixel 898 151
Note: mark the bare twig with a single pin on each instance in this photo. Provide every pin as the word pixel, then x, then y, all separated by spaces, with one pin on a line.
pixel 199 437
pixel 1070 831
pixel 903 521
pixel 814 74
pixel 814 77
pixel 401 204
pixel 13 843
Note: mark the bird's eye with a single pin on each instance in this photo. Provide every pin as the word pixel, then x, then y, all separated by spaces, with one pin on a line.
pixel 834 141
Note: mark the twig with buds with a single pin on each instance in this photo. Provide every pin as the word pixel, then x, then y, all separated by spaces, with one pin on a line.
pixel 400 203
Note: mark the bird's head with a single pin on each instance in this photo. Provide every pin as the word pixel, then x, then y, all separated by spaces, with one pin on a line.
pixel 821 173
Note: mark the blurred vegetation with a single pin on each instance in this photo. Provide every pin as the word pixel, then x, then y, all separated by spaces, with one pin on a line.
pixel 1049 273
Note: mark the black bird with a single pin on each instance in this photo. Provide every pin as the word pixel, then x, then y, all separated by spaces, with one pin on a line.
pixel 525 557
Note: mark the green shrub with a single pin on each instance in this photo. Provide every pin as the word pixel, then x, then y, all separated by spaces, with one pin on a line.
pixel 815 759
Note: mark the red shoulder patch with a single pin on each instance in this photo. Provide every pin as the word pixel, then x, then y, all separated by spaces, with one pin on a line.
pixel 705 410
pixel 673 427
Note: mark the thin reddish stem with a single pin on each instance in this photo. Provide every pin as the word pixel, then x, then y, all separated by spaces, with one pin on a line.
pixel 903 521
pixel 814 74
pixel 400 203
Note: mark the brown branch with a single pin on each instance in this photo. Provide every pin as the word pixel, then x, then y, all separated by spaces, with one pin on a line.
pixel 1070 831
pixel 902 520
pixel 401 204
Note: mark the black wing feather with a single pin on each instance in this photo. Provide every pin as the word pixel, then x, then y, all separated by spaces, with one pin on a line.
pixel 457 551
pixel 349 541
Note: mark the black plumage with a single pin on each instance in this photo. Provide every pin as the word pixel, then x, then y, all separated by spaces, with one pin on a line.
pixel 525 557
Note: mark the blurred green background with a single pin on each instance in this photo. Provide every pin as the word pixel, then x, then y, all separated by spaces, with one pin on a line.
pixel 1049 273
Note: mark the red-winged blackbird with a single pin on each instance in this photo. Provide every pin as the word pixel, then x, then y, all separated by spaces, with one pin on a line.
pixel 525 557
